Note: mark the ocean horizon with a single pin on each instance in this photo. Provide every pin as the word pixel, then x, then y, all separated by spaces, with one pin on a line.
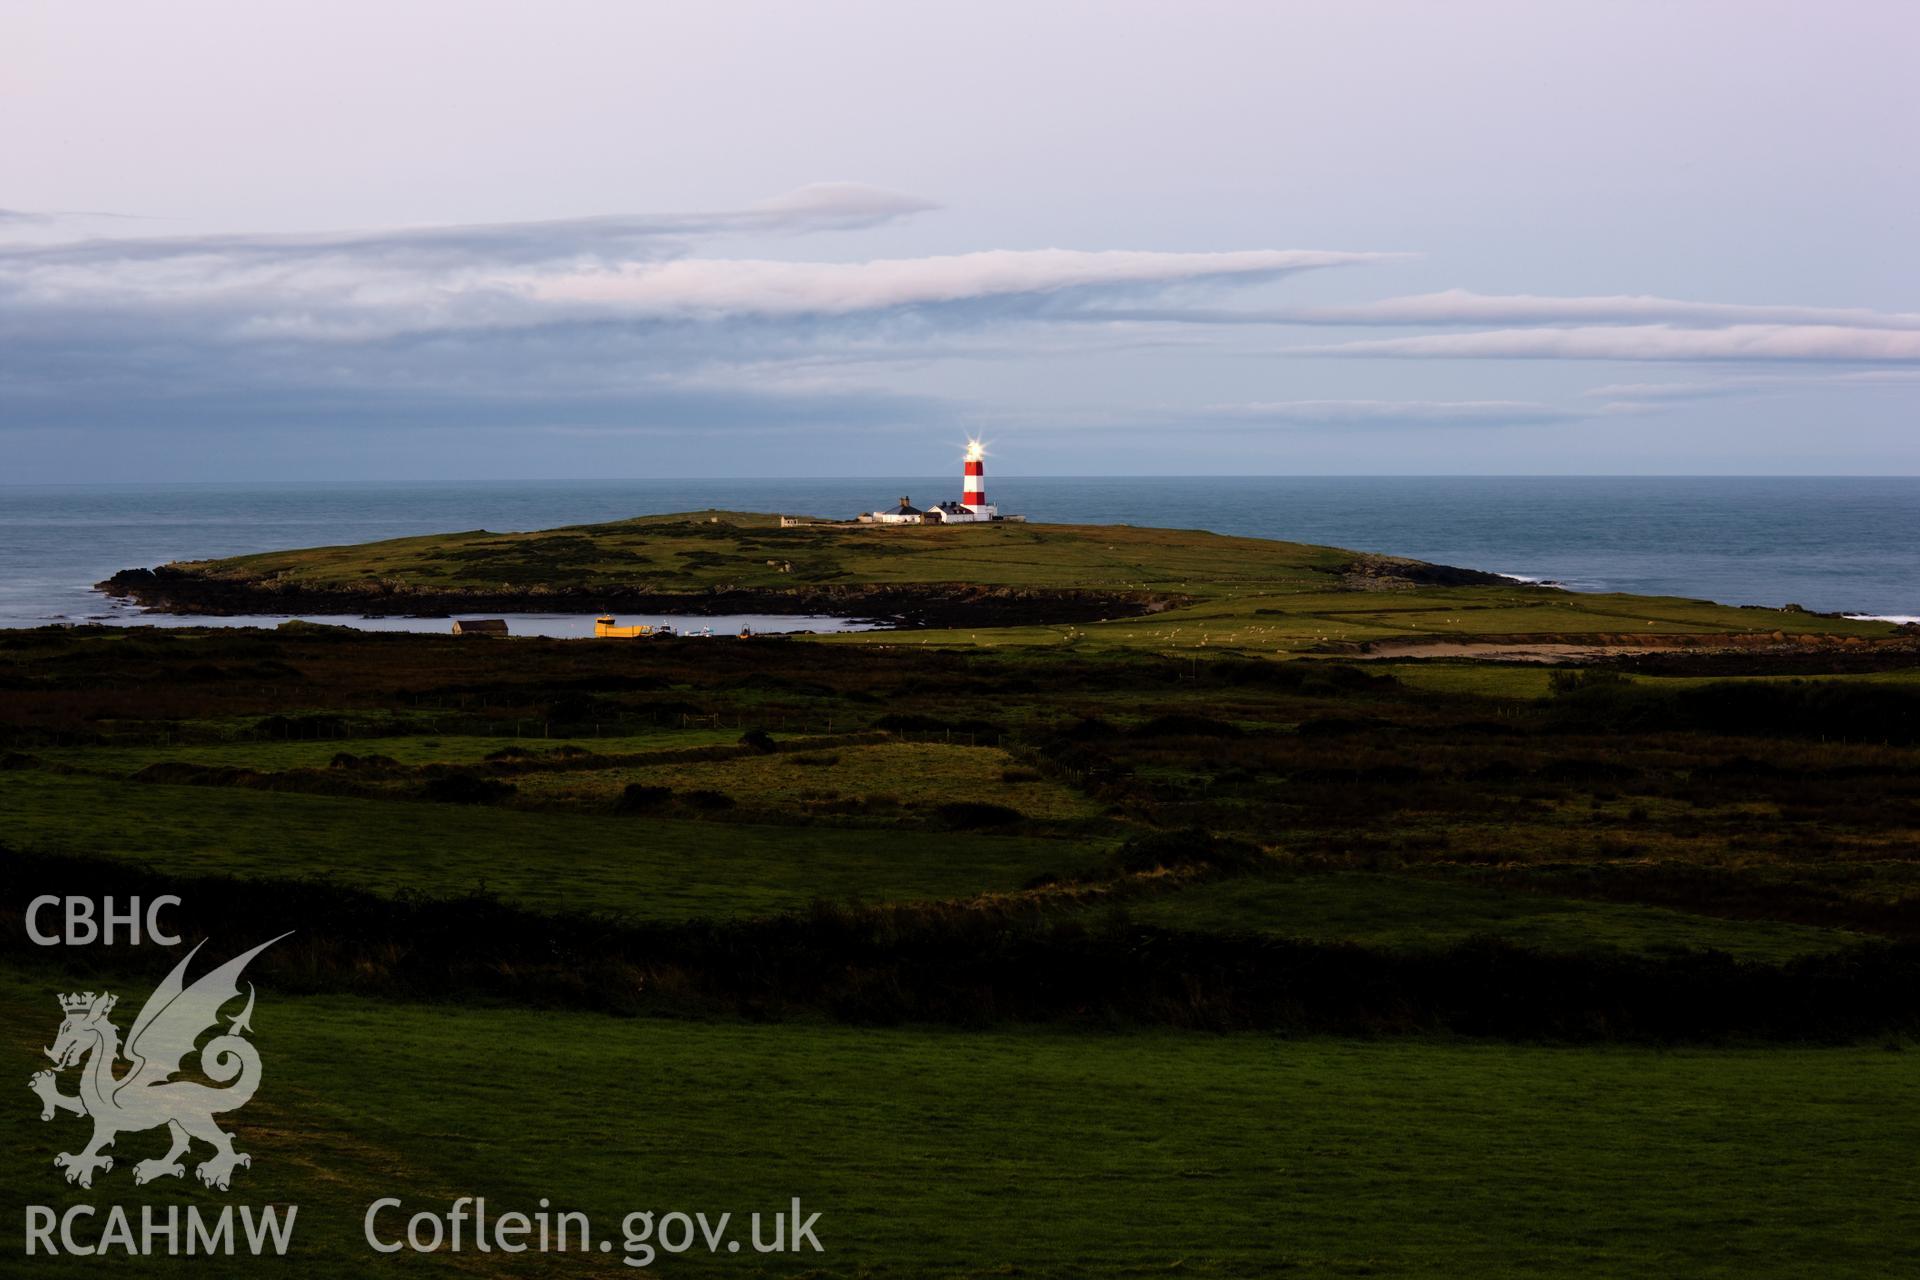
pixel 1826 543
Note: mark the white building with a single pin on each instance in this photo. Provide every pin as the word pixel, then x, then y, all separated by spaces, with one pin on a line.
pixel 973 507
pixel 905 513
pixel 958 513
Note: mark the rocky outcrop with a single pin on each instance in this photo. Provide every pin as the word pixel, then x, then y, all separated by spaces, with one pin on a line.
pixel 1390 573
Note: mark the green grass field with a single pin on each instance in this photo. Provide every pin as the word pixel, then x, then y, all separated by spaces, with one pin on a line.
pixel 408 749
pixel 669 869
pixel 918 776
pixel 1403 913
pixel 695 550
pixel 650 868
pixel 1045 1153
pixel 1523 681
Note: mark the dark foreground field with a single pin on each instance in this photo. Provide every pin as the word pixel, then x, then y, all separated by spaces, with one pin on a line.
pixel 1047 961
pixel 1055 1151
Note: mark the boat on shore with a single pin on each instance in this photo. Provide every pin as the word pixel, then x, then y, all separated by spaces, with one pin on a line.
pixel 606 626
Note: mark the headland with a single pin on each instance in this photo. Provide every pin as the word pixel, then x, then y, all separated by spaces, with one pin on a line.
pixel 1117 584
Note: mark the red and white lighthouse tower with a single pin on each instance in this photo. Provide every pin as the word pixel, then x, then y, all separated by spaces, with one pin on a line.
pixel 973 495
pixel 973 507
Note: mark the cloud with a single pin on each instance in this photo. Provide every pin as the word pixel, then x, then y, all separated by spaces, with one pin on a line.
pixel 1750 385
pixel 749 287
pixel 836 206
pixel 1736 343
pixel 1397 413
pixel 623 269
pixel 1461 307
pixel 591 321
pixel 52 217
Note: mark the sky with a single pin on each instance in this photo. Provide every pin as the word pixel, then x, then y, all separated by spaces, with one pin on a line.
pixel 608 239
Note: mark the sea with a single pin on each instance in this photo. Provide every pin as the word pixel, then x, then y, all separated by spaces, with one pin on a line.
pixel 1829 544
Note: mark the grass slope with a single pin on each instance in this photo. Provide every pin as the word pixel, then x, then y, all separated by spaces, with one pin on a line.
pixel 1405 913
pixel 651 868
pixel 936 1153
pixel 699 550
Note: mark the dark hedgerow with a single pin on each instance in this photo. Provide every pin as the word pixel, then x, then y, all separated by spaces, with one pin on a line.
pixel 966 815
pixel 937 962
pixel 1340 726
pixel 1192 847
pixel 297 727
pixel 1257 671
pixel 898 722
pixel 1354 679
pixel 1601 700
pixel 1186 725
pixel 465 788
pixel 581 708
pixel 640 798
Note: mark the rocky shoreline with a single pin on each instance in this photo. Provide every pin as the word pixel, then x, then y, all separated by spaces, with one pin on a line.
pixel 1395 573
pixel 171 589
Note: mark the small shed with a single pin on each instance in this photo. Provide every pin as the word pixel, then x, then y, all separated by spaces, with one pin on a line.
pixel 479 626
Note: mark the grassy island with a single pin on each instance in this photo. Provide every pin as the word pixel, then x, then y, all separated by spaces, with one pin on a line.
pixel 1118 584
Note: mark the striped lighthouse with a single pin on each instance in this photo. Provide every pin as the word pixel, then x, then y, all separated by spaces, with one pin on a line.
pixel 973 507
pixel 973 494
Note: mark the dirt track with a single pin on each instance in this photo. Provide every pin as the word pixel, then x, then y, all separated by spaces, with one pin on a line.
pixel 1559 649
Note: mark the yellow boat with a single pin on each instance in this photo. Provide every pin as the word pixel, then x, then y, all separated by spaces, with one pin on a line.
pixel 605 626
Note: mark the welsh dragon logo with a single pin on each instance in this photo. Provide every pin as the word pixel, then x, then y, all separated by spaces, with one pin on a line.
pixel 147 1095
